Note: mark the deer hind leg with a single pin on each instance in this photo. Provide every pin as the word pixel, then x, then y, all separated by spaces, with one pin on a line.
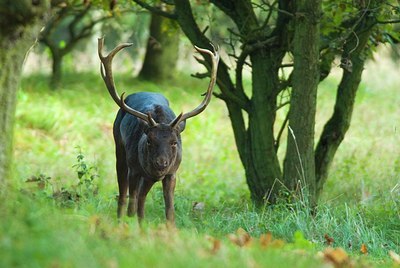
pixel 134 180
pixel 122 174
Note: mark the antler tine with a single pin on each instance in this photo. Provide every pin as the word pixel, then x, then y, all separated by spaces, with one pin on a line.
pixel 213 78
pixel 107 75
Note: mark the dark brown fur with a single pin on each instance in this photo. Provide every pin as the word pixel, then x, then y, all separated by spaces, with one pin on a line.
pixel 146 154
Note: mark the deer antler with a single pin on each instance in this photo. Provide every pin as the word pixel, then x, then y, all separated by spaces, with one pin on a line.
pixel 107 75
pixel 213 78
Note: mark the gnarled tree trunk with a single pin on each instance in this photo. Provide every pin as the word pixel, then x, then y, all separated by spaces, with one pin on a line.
pixel 17 33
pixel 335 129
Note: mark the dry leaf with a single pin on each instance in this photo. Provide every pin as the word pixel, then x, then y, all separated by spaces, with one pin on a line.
pixel 266 239
pixel 395 257
pixel 337 256
pixel 233 238
pixel 364 249
pixel 216 246
pixel 94 222
pixel 328 240
pixel 277 243
pixel 241 238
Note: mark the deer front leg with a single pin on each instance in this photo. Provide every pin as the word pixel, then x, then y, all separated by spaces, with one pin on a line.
pixel 134 181
pixel 168 190
pixel 144 188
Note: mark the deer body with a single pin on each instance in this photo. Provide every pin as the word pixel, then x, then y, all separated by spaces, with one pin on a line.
pixel 146 155
pixel 147 140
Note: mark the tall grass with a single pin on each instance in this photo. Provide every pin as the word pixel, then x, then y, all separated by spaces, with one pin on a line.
pixel 60 224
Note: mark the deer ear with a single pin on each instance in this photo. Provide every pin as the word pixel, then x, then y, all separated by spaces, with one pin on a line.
pixel 145 125
pixel 181 126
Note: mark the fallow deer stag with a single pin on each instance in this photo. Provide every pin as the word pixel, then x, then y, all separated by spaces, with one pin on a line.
pixel 147 139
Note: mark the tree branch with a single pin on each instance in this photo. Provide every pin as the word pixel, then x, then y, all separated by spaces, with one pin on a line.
pixel 388 21
pixel 283 127
pixel 156 10
pixel 337 126
pixel 235 100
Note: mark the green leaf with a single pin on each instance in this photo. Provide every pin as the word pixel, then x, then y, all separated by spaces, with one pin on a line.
pixel 62 44
pixel 301 242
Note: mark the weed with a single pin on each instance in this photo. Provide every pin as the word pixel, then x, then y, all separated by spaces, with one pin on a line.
pixel 87 175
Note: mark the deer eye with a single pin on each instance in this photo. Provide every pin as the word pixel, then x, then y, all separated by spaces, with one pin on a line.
pixel 173 143
pixel 148 143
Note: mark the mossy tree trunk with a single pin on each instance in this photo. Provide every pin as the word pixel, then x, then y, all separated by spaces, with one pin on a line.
pixel 17 33
pixel 299 166
pixel 162 50
pixel 353 60
pixel 56 69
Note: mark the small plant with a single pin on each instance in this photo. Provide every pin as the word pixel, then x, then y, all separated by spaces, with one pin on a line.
pixel 67 195
pixel 40 183
pixel 86 175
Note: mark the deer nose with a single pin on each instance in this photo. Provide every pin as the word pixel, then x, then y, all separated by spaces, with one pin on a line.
pixel 161 163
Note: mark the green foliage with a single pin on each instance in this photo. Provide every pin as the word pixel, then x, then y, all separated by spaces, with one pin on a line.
pixel 86 175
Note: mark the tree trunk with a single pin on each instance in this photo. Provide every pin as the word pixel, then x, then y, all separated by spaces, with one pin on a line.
pixel 162 50
pixel 299 165
pixel 256 142
pixel 12 53
pixel 337 126
pixel 262 167
pixel 56 74
pixel 265 43
pixel 17 34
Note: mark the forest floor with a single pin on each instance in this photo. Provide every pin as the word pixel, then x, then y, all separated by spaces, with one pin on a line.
pixel 60 210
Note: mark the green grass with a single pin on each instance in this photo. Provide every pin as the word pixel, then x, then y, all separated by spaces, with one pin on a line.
pixel 77 227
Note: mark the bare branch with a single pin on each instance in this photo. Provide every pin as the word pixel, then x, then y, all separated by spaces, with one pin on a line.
pixel 278 137
pixel 388 21
pixel 282 105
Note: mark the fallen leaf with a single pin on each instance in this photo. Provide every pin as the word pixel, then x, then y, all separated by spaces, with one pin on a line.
pixel 241 238
pixel 266 239
pixel 216 246
pixel 395 257
pixel 277 243
pixel 364 249
pixel 336 256
pixel 94 222
pixel 328 240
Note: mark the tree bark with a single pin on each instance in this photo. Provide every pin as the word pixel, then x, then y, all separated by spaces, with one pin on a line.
pixel 12 53
pixel 17 33
pixel 337 126
pixel 262 167
pixel 299 165
pixel 162 50
pixel 56 68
